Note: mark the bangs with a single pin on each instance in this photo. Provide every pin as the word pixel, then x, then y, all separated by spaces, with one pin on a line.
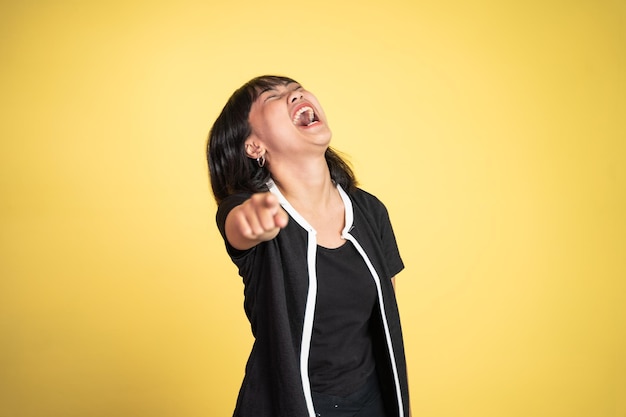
pixel 257 85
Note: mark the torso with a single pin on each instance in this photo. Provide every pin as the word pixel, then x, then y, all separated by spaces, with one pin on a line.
pixel 341 356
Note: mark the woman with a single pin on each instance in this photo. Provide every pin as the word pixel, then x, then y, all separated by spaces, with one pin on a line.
pixel 317 256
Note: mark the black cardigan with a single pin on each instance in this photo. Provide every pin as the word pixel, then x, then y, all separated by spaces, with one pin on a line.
pixel 280 301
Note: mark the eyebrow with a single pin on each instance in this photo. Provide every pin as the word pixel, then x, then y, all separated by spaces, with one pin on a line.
pixel 273 87
pixel 266 89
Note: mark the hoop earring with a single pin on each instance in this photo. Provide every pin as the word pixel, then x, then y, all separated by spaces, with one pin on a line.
pixel 261 161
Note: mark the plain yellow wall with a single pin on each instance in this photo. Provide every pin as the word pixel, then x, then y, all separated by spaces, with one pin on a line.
pixel 494 131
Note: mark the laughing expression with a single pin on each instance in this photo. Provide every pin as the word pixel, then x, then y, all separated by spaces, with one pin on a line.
pixel 288 119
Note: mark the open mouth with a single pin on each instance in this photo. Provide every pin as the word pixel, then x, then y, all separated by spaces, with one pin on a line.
pixel 305 116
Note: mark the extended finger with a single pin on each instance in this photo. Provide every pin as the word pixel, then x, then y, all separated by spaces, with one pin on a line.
pixel 267 212
pixel 281 218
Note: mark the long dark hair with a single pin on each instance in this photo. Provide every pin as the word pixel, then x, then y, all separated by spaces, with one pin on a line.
pixel 230 169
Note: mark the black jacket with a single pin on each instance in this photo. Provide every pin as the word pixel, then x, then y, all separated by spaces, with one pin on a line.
pixel 280 303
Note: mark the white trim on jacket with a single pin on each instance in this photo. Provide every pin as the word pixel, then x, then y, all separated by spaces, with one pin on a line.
pixel 309 312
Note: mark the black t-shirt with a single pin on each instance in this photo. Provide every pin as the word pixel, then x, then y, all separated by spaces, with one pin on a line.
pixel 341 356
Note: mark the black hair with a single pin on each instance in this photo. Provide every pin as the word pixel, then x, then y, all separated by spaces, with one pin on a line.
pixel 230 169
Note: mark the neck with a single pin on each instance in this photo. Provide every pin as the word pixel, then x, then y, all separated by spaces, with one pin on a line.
pixel 306 186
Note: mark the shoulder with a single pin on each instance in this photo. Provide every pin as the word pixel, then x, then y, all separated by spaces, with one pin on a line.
pixel 226 205
pixel 232 201
pixel 369 202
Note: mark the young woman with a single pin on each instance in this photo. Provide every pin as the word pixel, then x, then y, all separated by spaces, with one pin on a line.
pixel 318 258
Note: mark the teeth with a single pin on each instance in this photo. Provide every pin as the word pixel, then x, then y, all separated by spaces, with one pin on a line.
pixel 310 116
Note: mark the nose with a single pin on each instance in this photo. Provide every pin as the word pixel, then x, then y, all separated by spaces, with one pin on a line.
pixel 295 96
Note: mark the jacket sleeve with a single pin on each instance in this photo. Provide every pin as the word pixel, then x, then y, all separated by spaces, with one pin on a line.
pixel 223 209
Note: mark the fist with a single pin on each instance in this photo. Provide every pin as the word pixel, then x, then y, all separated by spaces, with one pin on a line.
pixel 258 219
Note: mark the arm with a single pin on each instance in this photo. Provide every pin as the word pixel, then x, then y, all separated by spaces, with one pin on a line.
pixel 256 220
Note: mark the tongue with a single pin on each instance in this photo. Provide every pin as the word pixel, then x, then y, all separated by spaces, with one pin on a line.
pixel 305 118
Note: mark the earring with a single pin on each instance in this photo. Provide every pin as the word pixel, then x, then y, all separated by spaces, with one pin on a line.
pixel 261 161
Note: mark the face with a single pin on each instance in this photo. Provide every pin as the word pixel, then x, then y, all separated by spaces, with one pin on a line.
pixel 286 121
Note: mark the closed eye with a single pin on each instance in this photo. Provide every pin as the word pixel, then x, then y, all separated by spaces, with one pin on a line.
pixel 272 93
pixel 268 93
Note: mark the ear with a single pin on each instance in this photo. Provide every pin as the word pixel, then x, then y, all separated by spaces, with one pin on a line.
pixel 254 149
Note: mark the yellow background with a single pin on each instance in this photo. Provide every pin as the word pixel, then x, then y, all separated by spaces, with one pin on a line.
pixel 494 132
